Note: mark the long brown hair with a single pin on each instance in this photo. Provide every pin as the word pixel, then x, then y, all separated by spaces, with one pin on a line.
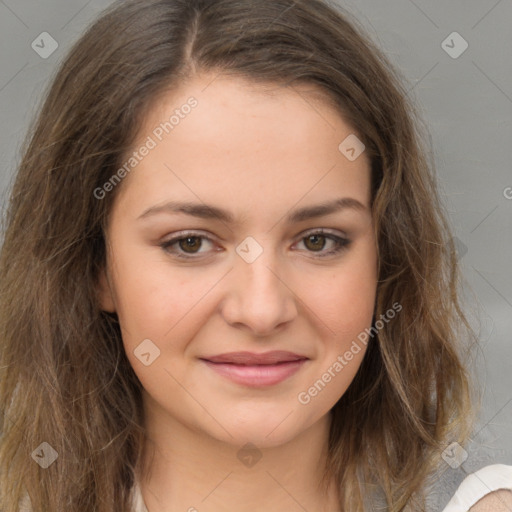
pixel 65 378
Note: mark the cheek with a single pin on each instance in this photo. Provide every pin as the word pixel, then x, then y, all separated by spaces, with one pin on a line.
pixel 155 301
pixel 344 301
pixel 346 308
pixel 344 297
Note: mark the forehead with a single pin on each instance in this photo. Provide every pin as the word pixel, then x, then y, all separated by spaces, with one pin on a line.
pixel 245 140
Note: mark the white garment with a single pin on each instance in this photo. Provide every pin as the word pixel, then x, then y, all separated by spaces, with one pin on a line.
pixel 138 504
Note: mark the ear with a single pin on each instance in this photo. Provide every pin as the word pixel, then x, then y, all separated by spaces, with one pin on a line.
pixel 105 295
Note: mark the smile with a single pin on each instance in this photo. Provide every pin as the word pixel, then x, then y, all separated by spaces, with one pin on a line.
pixel 257 375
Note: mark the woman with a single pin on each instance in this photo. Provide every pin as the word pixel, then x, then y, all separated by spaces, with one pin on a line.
pixel 227 279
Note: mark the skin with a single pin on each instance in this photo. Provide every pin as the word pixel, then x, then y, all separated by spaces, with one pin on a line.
pixel 498 501
pixel 260 153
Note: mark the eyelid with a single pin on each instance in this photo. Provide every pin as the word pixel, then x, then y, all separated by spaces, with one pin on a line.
pixel 322 231
pixel 178 235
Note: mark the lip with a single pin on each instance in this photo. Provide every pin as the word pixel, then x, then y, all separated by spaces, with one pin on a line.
pixel 256 370
pixel 251 358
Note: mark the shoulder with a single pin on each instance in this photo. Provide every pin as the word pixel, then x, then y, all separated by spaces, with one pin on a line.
pixel 496 501
pixel 487 490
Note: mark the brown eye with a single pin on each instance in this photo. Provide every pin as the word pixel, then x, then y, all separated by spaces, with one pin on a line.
pixel 315 242
pixel 324 244
pixel 190 244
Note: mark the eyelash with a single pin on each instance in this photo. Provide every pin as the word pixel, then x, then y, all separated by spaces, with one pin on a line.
pixel 341 243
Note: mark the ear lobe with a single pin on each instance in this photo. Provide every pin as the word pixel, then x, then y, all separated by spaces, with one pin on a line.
pixel 105 295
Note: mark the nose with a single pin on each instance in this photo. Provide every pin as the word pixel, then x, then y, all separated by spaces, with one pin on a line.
pixel 260 297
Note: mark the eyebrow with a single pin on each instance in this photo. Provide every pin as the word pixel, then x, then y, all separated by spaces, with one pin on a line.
pixel 205 211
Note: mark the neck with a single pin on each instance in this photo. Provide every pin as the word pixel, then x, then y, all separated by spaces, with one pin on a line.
pixel 186 470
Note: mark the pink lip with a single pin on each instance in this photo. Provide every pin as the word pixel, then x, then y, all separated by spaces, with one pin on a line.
pixel 250 358
pixel 256 370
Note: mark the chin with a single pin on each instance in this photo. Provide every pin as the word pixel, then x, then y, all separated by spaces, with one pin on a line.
pixel 258 437
pixel 264 431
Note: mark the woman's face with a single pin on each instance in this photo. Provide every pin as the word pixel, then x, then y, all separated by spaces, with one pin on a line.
pixel 247 181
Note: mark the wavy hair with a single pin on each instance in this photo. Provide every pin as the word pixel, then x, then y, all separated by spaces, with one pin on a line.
pixel 65 379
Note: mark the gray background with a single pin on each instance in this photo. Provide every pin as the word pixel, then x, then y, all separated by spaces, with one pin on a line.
pixel 466 103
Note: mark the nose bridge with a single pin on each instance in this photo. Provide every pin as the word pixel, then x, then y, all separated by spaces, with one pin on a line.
pixel 259 276
pixel 258 296
pixel 256 268
pixel 255 257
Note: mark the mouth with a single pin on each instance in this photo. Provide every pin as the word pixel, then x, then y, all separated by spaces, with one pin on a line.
pixel 253 359
pixel 256 370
